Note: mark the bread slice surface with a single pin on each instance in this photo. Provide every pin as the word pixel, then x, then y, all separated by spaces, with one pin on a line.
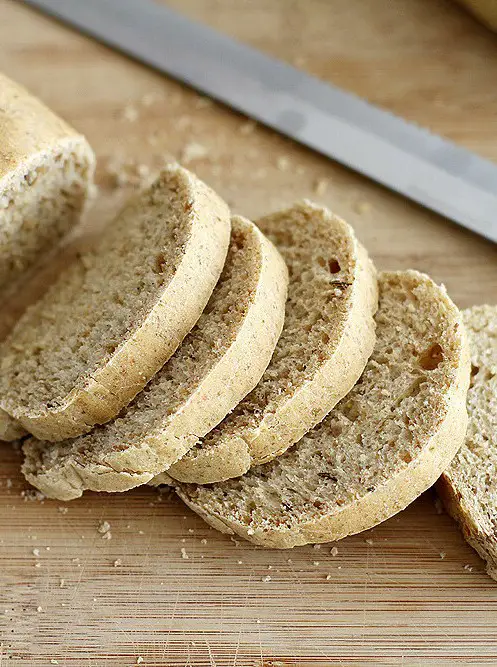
pixel 112 319
pixel 326 340
pixel 218 363
pixel 469 486
pixel 46 179
pixel 385 443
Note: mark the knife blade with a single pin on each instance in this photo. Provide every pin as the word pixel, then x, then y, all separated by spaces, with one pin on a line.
pixel 403 157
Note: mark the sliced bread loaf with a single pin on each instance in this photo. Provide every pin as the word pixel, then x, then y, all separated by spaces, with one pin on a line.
pixel 112 319
pixel 382 445
pixel 46 174
pixel 469 486
pixel 218 363
pixel 326 340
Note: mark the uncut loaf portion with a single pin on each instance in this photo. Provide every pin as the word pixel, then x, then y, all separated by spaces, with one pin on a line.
pixel 218 363
pixel 384 444
pixel 468 487
pixel 326 341
pixel 46 178
pixel 112 319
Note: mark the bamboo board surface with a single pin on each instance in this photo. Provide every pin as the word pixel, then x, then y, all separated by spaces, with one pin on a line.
pixel 408 592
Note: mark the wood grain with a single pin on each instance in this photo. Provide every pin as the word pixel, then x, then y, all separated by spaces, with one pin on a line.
pixel 391 597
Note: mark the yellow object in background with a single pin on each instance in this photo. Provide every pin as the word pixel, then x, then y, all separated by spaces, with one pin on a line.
pixel 484 10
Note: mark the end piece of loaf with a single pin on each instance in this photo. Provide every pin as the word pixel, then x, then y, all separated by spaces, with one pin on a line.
pixel 382 445
pixel 112 319
pixel 46 176
pixel 218 363
pixel 326 341
pixel 468 486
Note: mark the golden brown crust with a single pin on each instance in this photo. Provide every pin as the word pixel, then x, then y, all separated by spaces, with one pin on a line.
pixel 394 494
pixel 27 128
pixel 32 137
pixel 466 487
pixel 179 304
pixel 67 472
pixel 234 452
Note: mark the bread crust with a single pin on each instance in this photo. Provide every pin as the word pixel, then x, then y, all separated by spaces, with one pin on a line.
pixel 31 136
pixel 383 502
pixel 145 349
pixel 459 498
pixel 232 456
pixel 29 130
pixel 10 429
pixel 232 376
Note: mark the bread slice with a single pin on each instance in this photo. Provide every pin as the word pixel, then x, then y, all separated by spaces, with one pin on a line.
pixel 10 429
pixel 218 363
pixel 112 319
pixel 46 176
pixel 468 487
pixel 380 448
pixel 326 340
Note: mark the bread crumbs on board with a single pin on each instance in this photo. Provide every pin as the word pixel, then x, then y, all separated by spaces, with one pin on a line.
pixel 320 186
pixel 362 207
pixel 193 151
pixel 130 113
pixel 248 127
pixel 103 527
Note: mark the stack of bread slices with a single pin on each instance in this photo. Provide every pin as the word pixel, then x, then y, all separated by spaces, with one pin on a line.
pixel 288 392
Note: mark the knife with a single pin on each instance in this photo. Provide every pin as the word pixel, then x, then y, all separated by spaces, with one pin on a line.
pixel 427 169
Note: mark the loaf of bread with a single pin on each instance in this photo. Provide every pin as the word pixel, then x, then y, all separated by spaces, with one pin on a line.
pixel 384 444
pixel 326 341
pixel 111 320
pixel 468 486
pixel 218 363
pixel 46 176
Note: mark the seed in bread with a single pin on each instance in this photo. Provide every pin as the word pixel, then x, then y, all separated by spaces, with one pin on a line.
pixel 326 341
pixel 468 486
pixel 111 320
pixel 384 444
pixel 46 176
pixel 218 363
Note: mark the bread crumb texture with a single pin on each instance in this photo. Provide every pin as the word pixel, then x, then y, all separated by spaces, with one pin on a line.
pixel 469 487
pixel 386 442
pixel 220 361
pixel 111 320
pixel 46 177
pixel 326 340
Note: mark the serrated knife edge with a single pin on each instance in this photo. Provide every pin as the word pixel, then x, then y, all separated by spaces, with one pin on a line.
pixel 424 167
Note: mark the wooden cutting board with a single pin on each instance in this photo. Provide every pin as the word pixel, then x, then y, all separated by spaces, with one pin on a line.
pixel 165 589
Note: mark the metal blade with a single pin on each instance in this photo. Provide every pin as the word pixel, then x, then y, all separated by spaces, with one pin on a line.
pixel 424 167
